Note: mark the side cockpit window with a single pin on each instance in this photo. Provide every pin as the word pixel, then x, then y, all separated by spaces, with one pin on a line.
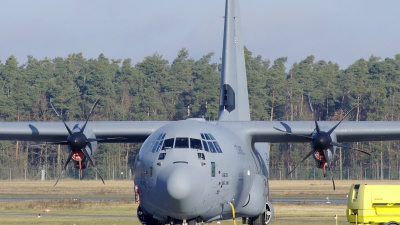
pixel 210 143
pixel 182 142
pixel 211 146
pixel 205 146
pixel 217 147
pixel 157 143
pixel 168 144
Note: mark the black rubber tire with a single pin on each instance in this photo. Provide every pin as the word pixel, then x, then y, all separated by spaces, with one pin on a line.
pixel 151 221
pixel 258 220
pixel 192 222
pixel 392 223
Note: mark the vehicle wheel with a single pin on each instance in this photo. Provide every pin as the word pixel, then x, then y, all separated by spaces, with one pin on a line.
pixel 392 223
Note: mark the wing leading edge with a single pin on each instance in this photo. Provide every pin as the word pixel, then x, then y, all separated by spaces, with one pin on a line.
pixel 121 131
pixel 347 131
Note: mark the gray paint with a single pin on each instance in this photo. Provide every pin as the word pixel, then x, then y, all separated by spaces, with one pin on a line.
pixel 182 185
pixel 233 68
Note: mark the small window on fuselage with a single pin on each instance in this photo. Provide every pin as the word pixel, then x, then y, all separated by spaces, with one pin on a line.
pixel 168 144
pixel 201 156
pixel 181 142
pixel 212 169
pixel 195 143
pixel 161 156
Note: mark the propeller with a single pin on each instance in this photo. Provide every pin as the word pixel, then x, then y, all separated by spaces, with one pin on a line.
pixel 321 141
pixel 77 142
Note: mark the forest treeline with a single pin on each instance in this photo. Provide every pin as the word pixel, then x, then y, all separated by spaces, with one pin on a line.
pixel 155 89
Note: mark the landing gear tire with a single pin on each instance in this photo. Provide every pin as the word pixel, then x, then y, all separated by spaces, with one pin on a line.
pixel 151 221
pixel 177 222
pixel 192 222
pixel 258 220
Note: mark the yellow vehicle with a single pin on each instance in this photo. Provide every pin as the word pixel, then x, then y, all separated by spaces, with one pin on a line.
pixel 374 204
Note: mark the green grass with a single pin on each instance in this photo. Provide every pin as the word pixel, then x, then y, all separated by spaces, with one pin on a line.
pixel 46 220
pixel 67 211
pixel 71 207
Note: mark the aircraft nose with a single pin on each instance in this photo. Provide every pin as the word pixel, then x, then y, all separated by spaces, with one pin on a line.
pixel 180 187
pixel 179 183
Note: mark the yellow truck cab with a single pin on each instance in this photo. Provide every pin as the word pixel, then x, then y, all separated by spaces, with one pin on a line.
pixel 373 204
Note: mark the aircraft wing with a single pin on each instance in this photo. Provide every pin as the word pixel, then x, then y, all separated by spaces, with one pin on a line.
pixel 347 131
pixel 121 131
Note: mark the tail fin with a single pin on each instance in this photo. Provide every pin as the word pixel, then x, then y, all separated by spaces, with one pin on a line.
pixel 234 99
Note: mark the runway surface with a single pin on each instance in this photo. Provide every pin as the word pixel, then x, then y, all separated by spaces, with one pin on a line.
pixel 64 215
pixel 288 200
pixel 310 200
pixel 12 199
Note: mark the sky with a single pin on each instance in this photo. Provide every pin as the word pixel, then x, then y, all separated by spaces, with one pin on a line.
pixel 340 31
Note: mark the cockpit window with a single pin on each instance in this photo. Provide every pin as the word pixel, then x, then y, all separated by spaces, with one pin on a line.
pixel 182 142
pixel 210 143
pixel 211 146
pixel 159 146
pixel 155 146
pixel 168 144
pixel 212 137
pixel 217 147
pixel 151 146
pixel 205 146
pixel 195 143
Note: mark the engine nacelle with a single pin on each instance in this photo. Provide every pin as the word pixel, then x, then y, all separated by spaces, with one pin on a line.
pixel 255 203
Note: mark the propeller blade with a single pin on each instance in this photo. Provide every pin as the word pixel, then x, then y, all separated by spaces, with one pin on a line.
pixel 329 167
pixel 55 110
pixel 333 128
pixel 91 162
pixel 65 166
pixel 308 137
pixel 68 159
pixel 308 155
pixel 317 127
pixel 90 113
pixel 62 172
pixel 344 146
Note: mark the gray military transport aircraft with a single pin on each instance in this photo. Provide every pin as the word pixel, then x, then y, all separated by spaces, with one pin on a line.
pixel 194 170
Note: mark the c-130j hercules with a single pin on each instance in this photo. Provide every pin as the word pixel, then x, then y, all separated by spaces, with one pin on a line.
pixel 196 170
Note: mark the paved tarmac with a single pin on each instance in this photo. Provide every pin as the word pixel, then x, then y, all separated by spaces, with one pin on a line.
pixel 288 200
pixel 309 200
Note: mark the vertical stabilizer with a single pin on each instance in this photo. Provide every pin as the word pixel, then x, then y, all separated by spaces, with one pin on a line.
pixel 233 99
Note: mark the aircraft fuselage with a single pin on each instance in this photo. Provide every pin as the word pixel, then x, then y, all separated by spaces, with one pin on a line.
pixel 191 169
